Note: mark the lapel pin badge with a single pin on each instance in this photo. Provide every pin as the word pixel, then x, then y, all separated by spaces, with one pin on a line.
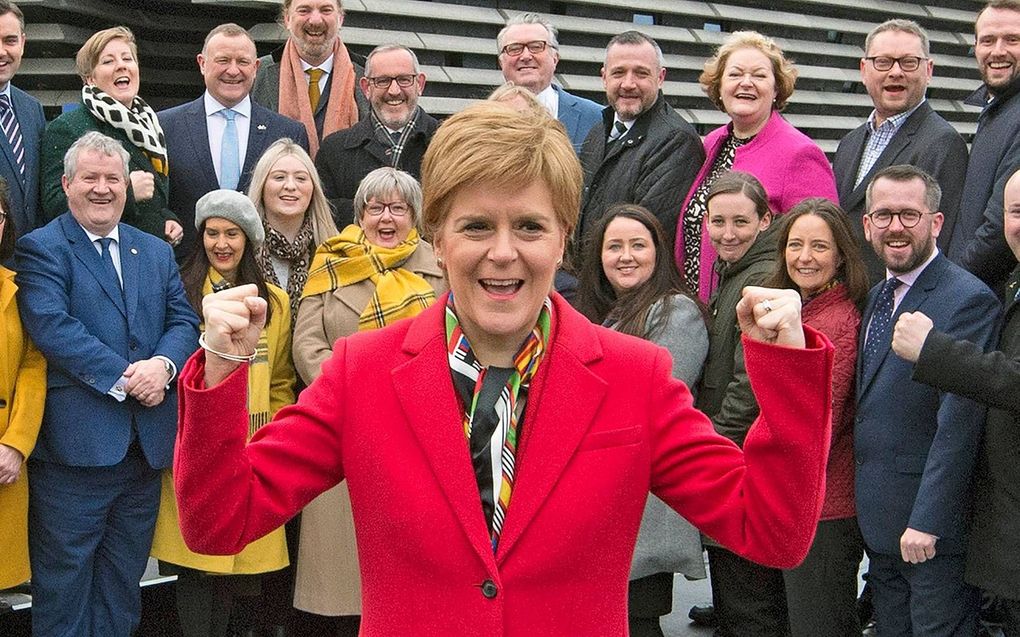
pixel 261 127
pixel 134 250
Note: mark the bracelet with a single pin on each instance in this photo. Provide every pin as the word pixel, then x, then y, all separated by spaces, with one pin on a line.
pixel 229 357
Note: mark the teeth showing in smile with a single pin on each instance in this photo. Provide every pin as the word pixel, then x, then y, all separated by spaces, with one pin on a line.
pixel 501 286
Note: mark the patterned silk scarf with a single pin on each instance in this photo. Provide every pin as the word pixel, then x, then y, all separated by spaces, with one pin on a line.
pixel 294 252
pixel 350 258
pixel 494 400
pixel 139 123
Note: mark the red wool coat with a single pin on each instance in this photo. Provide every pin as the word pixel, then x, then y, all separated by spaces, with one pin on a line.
pixel 605 422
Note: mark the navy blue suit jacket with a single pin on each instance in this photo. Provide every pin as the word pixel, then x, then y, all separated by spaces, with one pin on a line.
pixel 89 333
pixel 915 447
pixel 578 115
pixel 24 189
pixel 191 164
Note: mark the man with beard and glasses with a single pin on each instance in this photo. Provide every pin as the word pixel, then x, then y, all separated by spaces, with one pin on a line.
pixel 528 55
pixel 643 153
pixel 915 447
pixel 902 129
pixel 313 80
pixel 977 242
pixel 395 134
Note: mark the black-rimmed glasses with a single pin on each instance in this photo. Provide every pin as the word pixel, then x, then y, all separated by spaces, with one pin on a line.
pixel 908 63
pixel 908 218
pixel 384 81
pixel 396 208
pixel 516 48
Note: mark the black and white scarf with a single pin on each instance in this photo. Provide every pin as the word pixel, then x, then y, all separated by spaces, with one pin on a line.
pixel 396 147
pixel 139 123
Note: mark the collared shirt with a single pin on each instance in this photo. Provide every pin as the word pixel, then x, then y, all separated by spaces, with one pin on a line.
pixel 627 125
pixel 217 123
pixel 327 69
pixel 550 99
pixel 909 278
pixel 878 140
pixel 907 281
pixel 114 247
pixel 119 389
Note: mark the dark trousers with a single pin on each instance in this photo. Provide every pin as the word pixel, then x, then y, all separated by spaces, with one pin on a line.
pixel 648 599
pixel 90 531
pixel 1010 617
pixel 821 593
pixel 205 602
pixel 750 599
pixel 929 598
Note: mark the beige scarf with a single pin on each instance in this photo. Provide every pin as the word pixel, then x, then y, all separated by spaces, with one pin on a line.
pixel 341 109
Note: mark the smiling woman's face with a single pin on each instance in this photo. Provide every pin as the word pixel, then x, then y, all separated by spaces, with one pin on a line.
pixel 116 72
pixel 288 189
pixel 748 88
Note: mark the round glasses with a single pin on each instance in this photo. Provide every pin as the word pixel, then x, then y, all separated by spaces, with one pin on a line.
pixel 908 218
pixel 907 63
pixel 396 208
pixel 384 81
pixel 516 48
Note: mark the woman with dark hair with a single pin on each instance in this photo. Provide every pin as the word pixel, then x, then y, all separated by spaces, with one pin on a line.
pixel 22 398
pixel 630 285
pixel 818 256
pixel 229 233
pixel 748 597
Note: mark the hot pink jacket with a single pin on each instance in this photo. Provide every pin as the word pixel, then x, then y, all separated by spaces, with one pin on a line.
pixel 788 164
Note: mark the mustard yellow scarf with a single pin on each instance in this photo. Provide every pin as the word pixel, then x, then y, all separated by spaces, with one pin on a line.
pixel 350 258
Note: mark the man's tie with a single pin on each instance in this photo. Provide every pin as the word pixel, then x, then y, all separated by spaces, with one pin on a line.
pixel 314 75
pixel 12 131
pixel 230 167
pixel 618 131
pixel 879 332
pixel 111 270
pixel 395 136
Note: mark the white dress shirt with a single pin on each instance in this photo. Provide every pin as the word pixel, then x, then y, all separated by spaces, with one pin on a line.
pixel 216 124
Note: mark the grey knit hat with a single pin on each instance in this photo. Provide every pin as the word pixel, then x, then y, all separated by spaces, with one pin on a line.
pixel 234 207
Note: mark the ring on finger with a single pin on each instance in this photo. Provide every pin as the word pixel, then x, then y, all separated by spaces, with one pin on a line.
pixel 767 305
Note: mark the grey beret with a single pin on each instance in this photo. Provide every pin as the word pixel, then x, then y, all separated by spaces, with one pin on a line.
pixel 234 207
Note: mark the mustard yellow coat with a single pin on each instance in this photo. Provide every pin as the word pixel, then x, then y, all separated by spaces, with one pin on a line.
pixel 270 387
pixel 22 398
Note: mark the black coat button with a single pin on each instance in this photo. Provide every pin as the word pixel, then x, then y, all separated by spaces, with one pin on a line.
pixel 489 589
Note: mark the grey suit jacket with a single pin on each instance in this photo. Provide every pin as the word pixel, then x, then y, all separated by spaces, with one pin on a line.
pixel 924 140
pixel 266 91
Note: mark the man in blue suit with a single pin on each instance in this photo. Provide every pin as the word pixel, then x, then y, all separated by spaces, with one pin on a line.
pixel 915 446
pixel 528 55
pixel 104 304
pixel 201 142
pixel 21 124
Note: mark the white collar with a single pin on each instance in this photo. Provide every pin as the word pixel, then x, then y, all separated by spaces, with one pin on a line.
pixel 909 278
pixel 213 106
pixel 114 234
pixel 327 64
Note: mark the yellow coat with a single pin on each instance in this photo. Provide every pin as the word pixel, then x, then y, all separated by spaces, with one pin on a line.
pixel 22 399
pixel 270 387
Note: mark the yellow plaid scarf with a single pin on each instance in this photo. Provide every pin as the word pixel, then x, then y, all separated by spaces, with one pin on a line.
pixel 350 258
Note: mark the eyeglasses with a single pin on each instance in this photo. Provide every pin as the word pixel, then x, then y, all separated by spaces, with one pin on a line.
pixel 908 218
pixel 516 48
pixel 3 216
pixel 908 63
pixel 384 81
pixel 396 208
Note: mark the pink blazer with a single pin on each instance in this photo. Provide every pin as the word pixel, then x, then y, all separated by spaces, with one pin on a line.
pixel 788 164
pixel 605 422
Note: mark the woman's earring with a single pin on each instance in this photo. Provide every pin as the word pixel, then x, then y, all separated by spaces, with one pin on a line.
pixel 439 261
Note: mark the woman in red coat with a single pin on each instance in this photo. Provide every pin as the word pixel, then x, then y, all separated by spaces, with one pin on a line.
pixel 499 448
pixel 817 256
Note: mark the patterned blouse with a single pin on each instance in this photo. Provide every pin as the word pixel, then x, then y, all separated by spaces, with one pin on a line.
pixel 697 208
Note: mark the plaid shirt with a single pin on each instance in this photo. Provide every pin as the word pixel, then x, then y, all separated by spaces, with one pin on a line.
pixel 383 135
pixel 878 139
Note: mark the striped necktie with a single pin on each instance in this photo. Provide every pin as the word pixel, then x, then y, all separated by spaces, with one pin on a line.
pixel 618 131
pixel 12 131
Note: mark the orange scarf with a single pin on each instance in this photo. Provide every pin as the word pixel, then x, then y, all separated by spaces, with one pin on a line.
pixel 341 109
